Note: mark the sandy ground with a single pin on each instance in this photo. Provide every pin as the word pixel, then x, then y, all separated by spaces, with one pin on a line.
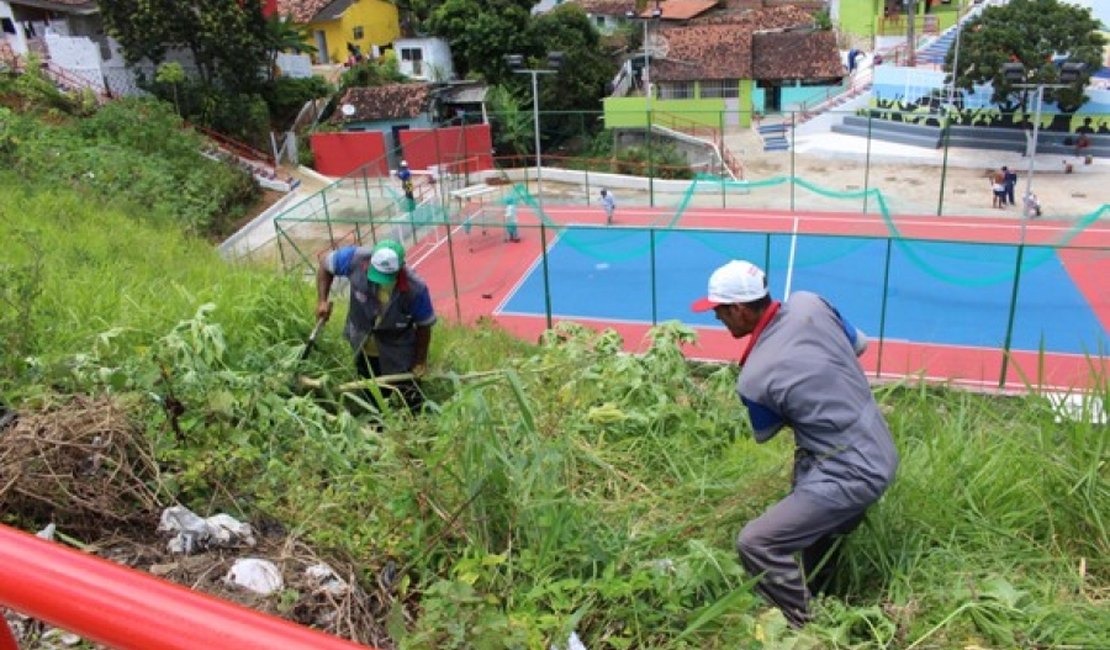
pixel 911 178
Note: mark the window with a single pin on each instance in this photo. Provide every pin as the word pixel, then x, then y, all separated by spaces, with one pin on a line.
pixel 720 88
pixel 676 90
pixel 415 57
pixel 357 33
pixel 599 20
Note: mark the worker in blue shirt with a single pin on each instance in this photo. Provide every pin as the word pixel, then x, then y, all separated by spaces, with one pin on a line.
pixel 389 322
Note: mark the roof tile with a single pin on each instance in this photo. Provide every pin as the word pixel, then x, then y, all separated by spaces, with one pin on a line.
pixel 703 52
pixel 388 102
pixel 607 7
pixel 796 55
pixel 301 11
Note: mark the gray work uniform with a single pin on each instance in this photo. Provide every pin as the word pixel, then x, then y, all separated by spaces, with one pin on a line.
pixel 803 373
pixel 392 324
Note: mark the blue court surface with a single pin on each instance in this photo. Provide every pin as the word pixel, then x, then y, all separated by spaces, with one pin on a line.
pixel 940 293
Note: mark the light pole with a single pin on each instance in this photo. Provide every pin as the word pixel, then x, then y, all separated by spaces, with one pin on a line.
pixel 656 14
pixel 554 62
pixel 955 61
pixel 911 40
pixel 1015 74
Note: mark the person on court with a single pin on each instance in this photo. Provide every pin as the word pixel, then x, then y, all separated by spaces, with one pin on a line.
pixel 799 369
pixel 609 204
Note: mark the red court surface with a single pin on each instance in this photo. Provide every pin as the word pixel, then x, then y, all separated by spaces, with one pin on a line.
pixel 489 269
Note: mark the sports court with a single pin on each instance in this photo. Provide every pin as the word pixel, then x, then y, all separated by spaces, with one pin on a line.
pixel 934 294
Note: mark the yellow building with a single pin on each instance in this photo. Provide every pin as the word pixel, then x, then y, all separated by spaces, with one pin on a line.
pixel 333 25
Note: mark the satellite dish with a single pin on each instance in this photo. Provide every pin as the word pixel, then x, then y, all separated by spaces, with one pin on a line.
pixel 347 109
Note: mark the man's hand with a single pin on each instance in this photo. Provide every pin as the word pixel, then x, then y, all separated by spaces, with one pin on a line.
pixel 323 310
pixel 419 370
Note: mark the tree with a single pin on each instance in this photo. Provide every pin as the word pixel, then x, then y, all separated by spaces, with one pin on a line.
pixel 480 32
pixel 586 72
pixel 228 40
pixel 283 35
pixel 512 126
pixel 1035 33
pixel 584 78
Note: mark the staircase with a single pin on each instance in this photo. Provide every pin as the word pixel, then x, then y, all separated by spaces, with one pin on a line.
pixel 934 53
pixel 774 136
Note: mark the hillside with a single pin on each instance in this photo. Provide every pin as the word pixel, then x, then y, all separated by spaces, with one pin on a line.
pixel 549 488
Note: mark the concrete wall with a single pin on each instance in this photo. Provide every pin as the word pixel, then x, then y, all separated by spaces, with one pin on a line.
pixel 436 62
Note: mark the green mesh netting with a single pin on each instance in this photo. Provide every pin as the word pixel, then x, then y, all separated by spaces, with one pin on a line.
pixel 489 221
pixel 949 263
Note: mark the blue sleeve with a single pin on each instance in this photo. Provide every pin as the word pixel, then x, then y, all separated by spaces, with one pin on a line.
pixel 422 311
pixel 765 422
pixel 339 262
pixel 855 336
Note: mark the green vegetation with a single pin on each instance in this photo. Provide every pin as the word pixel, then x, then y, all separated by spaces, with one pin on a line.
pixel 131 150
pixel 552 487
pixel 1034 33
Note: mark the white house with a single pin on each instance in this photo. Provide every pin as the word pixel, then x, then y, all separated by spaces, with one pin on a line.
pixel 427 59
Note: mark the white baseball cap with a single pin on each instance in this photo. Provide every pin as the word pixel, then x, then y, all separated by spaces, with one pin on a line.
pixel 735 282
pixel 384 265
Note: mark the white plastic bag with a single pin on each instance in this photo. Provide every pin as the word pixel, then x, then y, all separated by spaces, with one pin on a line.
pixel 260 576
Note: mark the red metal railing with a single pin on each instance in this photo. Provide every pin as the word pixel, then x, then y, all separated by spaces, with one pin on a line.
pixel 130 610
pixel 241 149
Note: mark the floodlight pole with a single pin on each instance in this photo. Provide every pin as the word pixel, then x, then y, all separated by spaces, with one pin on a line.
pixel 955 61
pixel 656 14
pixel 514 62
pixel 1014 72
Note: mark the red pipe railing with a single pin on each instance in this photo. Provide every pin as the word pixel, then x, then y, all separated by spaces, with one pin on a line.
pixel 126 609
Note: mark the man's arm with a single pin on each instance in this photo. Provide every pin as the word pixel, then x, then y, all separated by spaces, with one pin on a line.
pixel 324 279
pixel 332 263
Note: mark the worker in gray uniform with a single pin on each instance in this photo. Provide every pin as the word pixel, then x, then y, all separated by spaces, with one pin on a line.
pixel 799 370
pixel 389 323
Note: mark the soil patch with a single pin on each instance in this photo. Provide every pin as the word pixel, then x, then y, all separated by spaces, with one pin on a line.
pixel 84 466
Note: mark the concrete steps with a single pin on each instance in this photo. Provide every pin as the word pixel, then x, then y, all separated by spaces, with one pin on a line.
pixel 888 131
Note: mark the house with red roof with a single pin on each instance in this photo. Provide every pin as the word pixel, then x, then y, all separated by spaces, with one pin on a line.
pixel 717 68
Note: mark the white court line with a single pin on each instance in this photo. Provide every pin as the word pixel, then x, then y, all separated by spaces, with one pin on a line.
pixel 524 276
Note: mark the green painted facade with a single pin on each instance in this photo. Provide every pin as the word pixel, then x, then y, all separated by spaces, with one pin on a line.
pixel 631 112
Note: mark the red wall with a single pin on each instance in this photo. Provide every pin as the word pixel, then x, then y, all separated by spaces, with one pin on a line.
pixel 339 154
pixel 426 147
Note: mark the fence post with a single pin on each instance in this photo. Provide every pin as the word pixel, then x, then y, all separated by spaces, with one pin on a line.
pixel 867 163
pixel 943 166
pixel 651 164
pixel 654 297
pixel 454 272
pixel 792 163
pixel 1013 311
pixel 369 205
pixel 281 249
pixel 327 216
pixel 882 308
pixel 546 277
pixel 587 184
pixel 721 151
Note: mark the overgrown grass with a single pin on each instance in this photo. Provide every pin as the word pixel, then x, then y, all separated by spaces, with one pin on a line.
pixel 553 487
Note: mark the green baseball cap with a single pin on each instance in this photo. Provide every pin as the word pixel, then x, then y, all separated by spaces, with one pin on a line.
pixel 386 260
